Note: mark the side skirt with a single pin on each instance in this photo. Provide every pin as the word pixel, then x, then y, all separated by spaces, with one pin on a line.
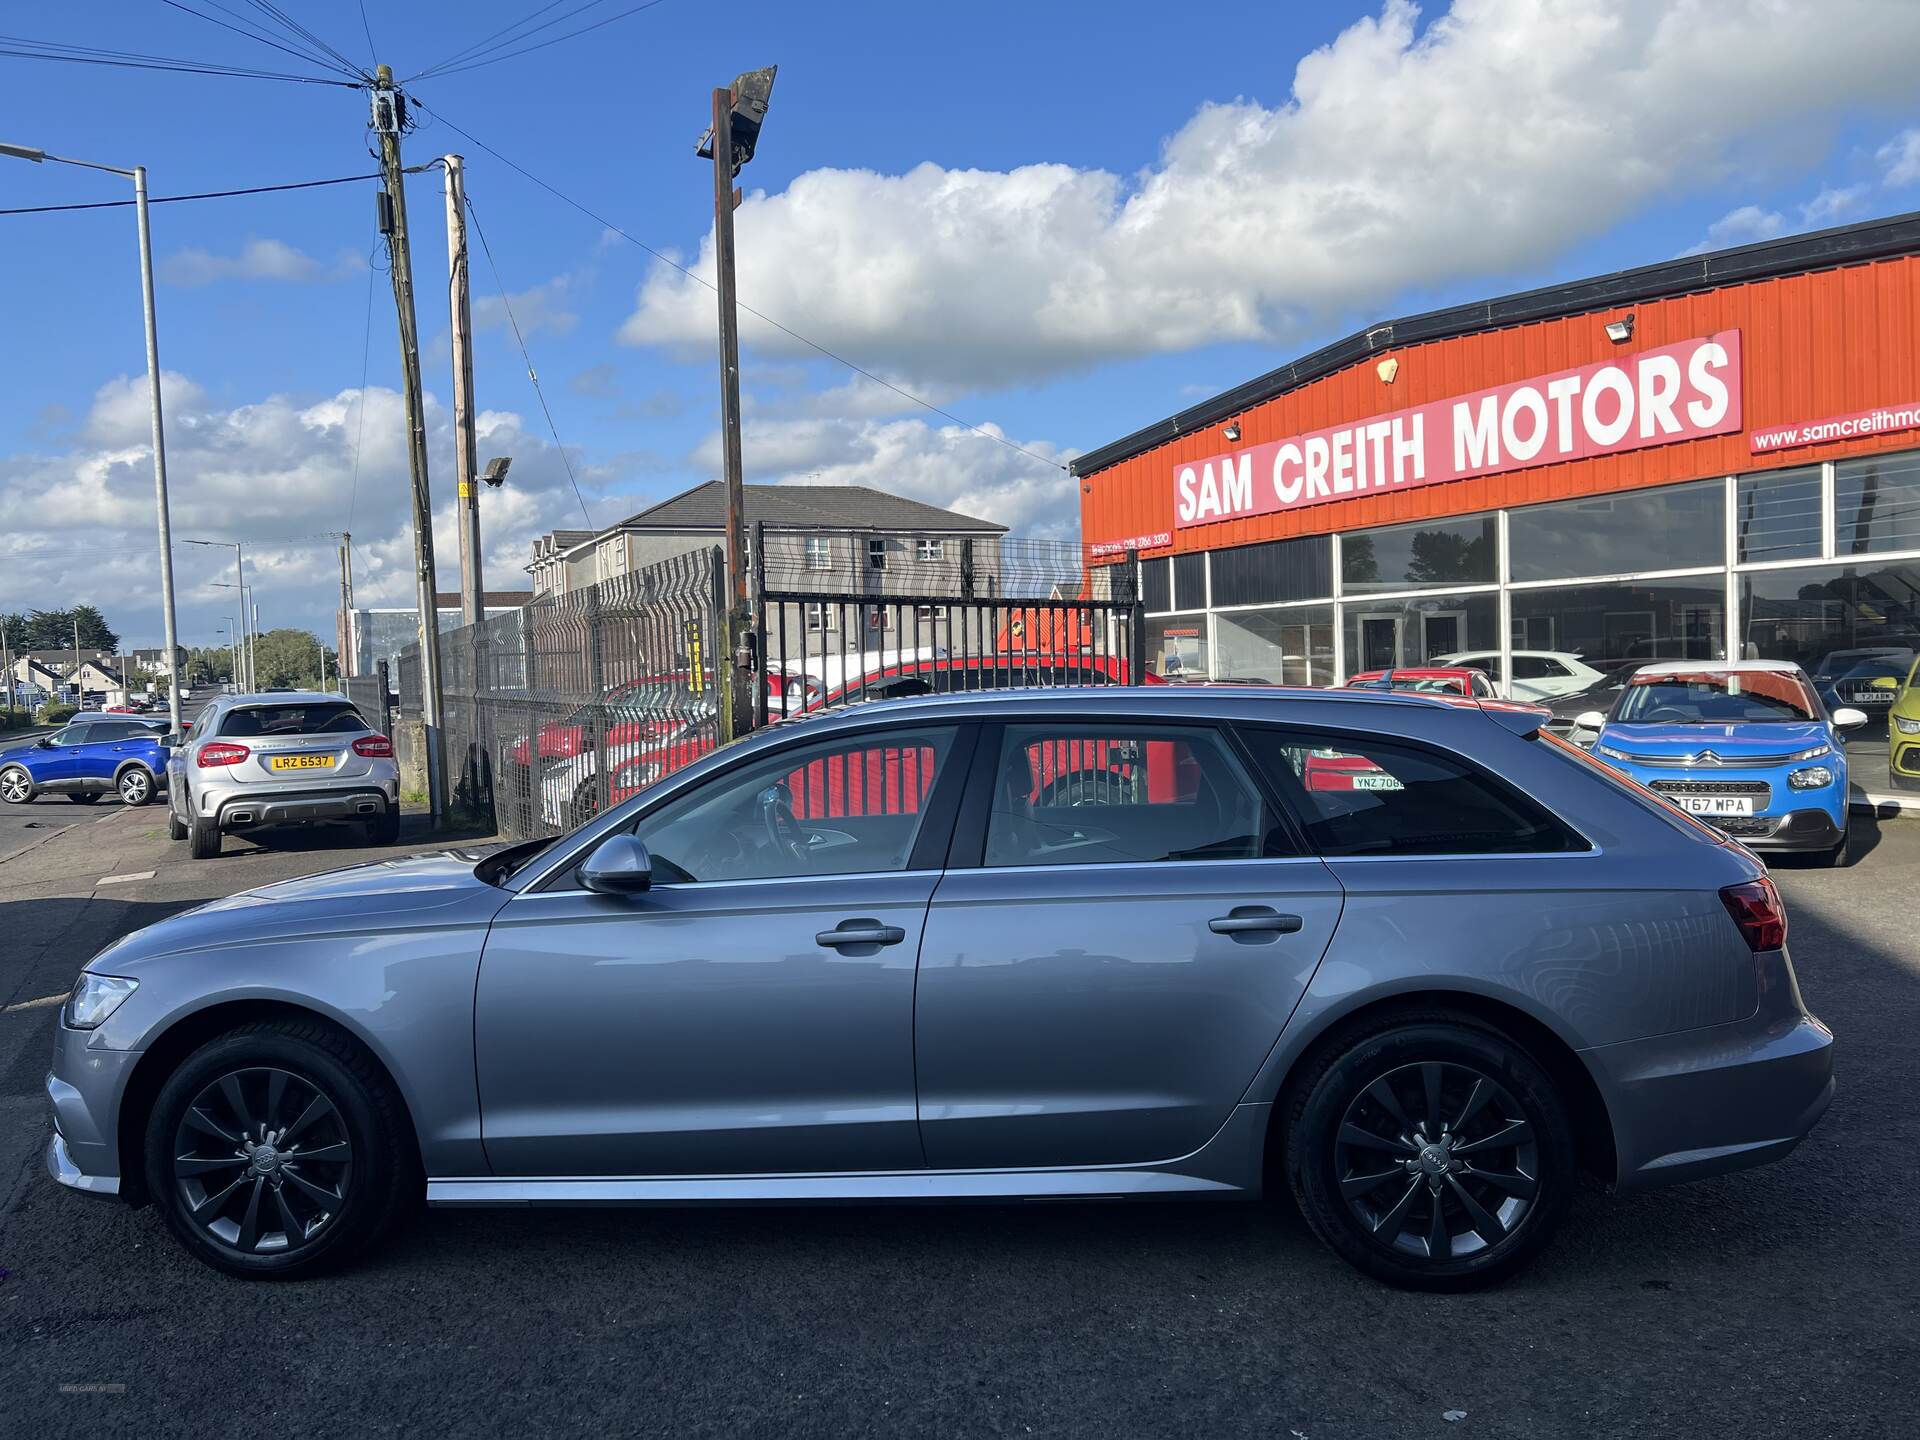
pixel 1226 1167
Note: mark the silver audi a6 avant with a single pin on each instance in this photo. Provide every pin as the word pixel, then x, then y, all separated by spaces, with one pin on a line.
pixel 1405 957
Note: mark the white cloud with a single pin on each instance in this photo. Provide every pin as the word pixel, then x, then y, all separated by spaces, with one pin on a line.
pixel 78 523
pixel 944 465
pixel 1832 206
pixel 1900 158
pixel 1744 226
pixel 542 307
pixel 257 260
pixel 1402 158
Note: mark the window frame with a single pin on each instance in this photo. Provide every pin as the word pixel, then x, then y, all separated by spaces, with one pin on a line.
pixel 820 558
pixel 1510 793
pixel 931 846
pixel 969 847
pixel 928 549
pixel 877 552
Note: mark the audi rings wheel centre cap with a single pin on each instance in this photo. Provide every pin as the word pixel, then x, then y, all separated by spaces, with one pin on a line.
pixel 1434 1159
pixel 266 1160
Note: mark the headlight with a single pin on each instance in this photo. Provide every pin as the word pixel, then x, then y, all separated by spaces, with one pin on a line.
pixel 1907 727
pixel 1813 752
pixel 96 997
pixel 1812 778
pixel 1609 751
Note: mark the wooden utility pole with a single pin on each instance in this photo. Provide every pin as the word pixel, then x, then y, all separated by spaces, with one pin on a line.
pixel 346 663
pixel 389 119
pixel 734 677
pixel 465 456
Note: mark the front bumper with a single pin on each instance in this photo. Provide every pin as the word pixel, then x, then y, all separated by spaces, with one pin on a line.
pixel 84 1089
pixel 1903 763
pixel 1798 832
pixel 60 1165
pixel 1723 1098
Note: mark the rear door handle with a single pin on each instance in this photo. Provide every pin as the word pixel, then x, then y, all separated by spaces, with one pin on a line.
pixel 1254 919
pixel 859 932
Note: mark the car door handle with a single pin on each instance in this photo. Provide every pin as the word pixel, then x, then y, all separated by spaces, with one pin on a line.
pixel 1254 919
pixel 859 932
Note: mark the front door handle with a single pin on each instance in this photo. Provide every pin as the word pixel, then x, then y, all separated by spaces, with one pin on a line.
pixel 1254 919
pixel 859 932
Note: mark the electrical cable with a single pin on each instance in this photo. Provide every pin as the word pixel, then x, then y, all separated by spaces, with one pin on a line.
pixel 177 67
pixel 479 44
pixel 478 61
pixel 204 194
pixel 294 26
pixel 814 345
pixel 373 50
pixel 249 34
pixel 520 340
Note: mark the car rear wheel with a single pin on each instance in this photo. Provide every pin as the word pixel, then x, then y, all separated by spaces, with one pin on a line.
pixel 203 839
pixel 135 785
pixel 1430 1152
pixel 278 1150
pixel 176 828
pixel 16 786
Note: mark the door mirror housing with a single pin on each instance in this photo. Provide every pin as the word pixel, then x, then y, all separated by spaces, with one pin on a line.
pixel 45 742
pixel 620 865
pixel 172 739
pixel 1589 720
pixel 1848 718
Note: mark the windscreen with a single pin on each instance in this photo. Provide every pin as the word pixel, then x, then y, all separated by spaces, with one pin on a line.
pixel 1725 697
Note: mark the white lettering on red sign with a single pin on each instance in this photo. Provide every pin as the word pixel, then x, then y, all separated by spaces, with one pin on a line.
pixel 1678 392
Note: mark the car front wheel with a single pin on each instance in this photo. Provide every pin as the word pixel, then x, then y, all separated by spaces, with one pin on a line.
pixel 16 788
pixel 278 1150
pixel 1430 1152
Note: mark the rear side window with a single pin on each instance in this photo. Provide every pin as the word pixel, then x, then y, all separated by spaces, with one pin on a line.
pixel 1067 794
pixel 319 718
pixel 1361 796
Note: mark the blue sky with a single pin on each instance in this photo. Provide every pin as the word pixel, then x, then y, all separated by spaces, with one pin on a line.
pixel 1063 221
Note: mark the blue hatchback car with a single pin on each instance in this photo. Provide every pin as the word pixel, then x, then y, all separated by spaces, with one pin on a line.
pixel 1746 746
pixel 85 761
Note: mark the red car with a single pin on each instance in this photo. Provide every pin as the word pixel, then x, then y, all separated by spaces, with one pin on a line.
pixel 643 710
pixel 1430 680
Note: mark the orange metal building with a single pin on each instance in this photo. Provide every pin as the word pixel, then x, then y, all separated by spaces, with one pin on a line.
pixel 1784 521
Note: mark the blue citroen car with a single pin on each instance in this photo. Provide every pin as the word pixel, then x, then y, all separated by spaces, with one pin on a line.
pixel 1746 746
pixel 111 755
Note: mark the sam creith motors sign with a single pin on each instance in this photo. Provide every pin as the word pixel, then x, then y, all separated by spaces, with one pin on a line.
pixel 1655 397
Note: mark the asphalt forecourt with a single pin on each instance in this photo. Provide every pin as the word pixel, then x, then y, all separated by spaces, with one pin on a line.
pixel 1778 1301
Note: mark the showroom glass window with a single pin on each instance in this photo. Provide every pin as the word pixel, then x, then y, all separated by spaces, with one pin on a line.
pixel 1843 624
pixel 1177 647
pixel 1777 515
pixel 1156 584
pixel 1276 571
pixel 1292 645
pixel 1190 582
pixel 1876 504
pixel 1667 529
pixel 1425 555
pixel 1383 633
pixel 1609 625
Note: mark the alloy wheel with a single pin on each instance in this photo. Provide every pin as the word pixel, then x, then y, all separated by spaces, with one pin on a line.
pixel 15 787
pixel 1437 1161
pixel 135 787
pixel 262 1161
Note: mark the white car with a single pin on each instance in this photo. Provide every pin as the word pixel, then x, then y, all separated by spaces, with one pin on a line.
pixel 1537 674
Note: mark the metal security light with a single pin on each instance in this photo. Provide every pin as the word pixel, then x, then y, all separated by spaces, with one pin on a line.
pixel 496 472
pixel 1620 331
pixel 1232 432
pixel 751 93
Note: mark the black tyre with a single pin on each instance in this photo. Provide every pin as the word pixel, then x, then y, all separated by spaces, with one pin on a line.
pixel 16 786
pixel 586 805
pixel 1834 858
pixel 279 1150
pixel 1429 1151
pixel 203 839
pixel 176 827
pixel 83 797
pixel 135 784
pixel 385 830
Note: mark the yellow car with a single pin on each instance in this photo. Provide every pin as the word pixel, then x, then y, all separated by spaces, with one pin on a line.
pixel 1903 728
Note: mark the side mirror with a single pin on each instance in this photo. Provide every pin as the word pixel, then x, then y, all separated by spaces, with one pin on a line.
pixel 1589 720
pixel 620 866
pixel 172 739
pixel 45 742
pixel 1848 718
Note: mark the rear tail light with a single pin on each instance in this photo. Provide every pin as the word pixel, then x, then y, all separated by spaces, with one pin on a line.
pixel 220 753
pixel 1756 909
pixel 373 747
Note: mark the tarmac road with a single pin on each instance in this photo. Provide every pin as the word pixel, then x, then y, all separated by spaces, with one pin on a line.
pixel 1781 1302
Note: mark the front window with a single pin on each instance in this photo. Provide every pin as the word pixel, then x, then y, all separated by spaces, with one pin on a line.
pixel 819 553
pixel 1709 697
pixel 822 617
pixel 839 807
pixel 930 549
pixel 877 554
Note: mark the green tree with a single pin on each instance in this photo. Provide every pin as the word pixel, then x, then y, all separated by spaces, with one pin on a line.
pixel 1442 555
pixel 290 657
pixel 53 630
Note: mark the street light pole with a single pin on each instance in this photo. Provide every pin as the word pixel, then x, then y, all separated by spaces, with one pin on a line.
pixel 138 174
